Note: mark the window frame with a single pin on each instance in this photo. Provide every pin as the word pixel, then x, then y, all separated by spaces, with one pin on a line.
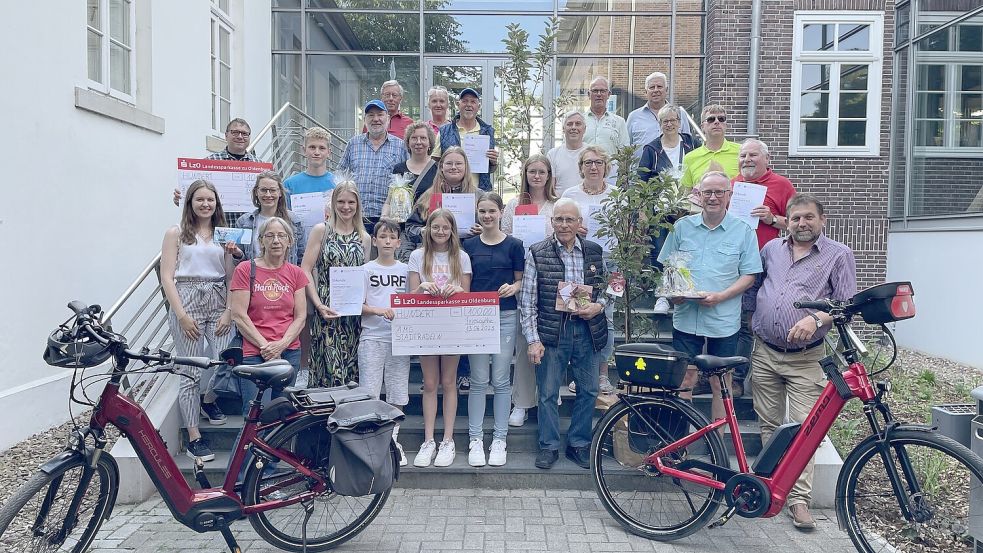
pixel 873 58
pixel 953 61
pixel 219 20
pixel 105 47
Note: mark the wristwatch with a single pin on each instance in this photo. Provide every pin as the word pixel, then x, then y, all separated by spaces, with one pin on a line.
pixel 819 322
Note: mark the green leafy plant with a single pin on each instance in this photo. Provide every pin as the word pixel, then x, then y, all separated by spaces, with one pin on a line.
pixel 635 211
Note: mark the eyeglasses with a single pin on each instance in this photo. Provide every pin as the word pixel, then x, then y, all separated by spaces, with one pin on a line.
pixel 598 90
pixel 239 133
pixel 565 220
pixel 268 191
pixel 593 162
pixel 281 236
pixel 717 193
pixel 714 118
pixel 673 120
pixel 392 95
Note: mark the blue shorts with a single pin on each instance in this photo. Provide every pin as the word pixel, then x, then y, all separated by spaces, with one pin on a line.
pixel 693 345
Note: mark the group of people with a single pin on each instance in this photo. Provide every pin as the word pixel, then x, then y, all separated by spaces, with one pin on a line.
pixel 749 277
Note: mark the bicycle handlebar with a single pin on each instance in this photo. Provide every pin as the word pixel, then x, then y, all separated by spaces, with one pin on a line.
pixel 819 305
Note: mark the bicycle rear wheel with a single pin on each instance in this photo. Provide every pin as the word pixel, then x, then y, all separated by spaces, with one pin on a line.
pixel 335 518
pixel 35 518
pixel 948 476
pixel 644 501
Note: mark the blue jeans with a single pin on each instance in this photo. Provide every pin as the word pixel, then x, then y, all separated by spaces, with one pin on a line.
pixel 692 345
pixel 500 364
pixel 576 350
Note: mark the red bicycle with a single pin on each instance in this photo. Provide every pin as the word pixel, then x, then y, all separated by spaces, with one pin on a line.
pixel 903 488
pixel 286 492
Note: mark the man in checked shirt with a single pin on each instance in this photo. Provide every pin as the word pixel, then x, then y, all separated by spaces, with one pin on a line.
pixel 788 341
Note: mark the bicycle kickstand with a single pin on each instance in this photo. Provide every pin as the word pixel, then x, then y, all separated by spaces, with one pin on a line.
pixel 723 518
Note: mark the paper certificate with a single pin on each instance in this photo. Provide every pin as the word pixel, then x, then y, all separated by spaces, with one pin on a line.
pixel 427 325
pixel 234 180
pixel 237 235
pixel 746 197
pixel 476 147
pixel 462 206
pixel 309 208
pixel 529 228
pixel 347 290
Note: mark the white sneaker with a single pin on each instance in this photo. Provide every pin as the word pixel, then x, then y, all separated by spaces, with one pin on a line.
pixel 604 385
pixel 476 453
pixel 445 454
pixel 661 306
pixel 425 456
pixel 496 454
pixel 518 416
pixel 402 454
pixel 572 387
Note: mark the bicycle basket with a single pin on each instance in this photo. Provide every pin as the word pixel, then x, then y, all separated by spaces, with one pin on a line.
pixel 884 303
pixel 652 365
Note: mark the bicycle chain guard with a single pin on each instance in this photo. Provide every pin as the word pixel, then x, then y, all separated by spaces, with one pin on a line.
pixel 748 495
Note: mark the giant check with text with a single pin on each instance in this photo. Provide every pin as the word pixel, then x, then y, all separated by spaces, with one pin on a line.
pixel 461 324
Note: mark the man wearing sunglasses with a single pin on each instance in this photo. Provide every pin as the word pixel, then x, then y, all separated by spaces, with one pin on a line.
pixel 713 121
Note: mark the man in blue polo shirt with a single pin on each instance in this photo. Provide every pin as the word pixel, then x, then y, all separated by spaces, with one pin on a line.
pixel 723 258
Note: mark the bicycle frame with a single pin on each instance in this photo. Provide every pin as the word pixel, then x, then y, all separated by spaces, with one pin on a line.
pixel 186 504
pixel 855 383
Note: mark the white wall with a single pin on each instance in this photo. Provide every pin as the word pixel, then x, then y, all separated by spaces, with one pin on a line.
pixel 87 197
pixel 944 269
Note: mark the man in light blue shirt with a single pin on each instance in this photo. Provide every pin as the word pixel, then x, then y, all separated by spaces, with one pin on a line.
pixel 723 258
pixel 643 123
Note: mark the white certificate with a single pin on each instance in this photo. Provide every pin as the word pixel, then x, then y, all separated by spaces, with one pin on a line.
pixel 462 206
pixel 309 208
pixel 593 225
pixel 461 324
pixel 476 147
pixel 234 180
pixel 529 228
pixel 746 197
pixel 347 290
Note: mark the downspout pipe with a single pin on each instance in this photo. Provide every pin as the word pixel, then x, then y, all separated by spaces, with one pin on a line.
pixel 752 88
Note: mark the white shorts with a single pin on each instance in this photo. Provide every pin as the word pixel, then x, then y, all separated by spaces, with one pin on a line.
pixel 376 363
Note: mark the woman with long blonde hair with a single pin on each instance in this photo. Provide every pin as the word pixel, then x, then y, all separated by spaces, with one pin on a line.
pixel 341 241
pixel 439 268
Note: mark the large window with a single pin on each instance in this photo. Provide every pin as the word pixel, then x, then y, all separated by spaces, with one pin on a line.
pixel 110 39
pixel 221 65
pixel 836 84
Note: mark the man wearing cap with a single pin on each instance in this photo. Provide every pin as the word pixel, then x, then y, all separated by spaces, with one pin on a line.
pixel 371 156
pixel 466 123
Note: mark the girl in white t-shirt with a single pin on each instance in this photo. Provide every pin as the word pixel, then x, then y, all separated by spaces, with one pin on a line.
pixel 439 268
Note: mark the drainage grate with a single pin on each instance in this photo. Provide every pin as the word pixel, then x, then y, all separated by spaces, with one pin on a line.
pixel 958 408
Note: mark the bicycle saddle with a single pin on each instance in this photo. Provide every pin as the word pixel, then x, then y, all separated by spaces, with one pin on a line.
pixel 276 373
pixel 712 363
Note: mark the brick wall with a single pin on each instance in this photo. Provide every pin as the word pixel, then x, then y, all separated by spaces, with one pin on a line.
pixel 853 189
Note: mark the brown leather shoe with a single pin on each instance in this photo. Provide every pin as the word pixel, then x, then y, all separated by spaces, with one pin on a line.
pixel 801 518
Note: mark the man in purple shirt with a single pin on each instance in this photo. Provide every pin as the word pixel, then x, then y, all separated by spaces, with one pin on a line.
pixel 788 341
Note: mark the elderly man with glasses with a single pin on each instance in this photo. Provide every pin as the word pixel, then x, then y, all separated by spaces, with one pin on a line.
pixel 605 129
pixel 559 338
pixel 721 252
pixel 717 150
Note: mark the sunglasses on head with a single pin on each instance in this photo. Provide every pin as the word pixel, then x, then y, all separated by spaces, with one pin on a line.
pixel 714 118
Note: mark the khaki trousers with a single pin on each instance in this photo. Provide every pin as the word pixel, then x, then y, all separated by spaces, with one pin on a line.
pixel 786 384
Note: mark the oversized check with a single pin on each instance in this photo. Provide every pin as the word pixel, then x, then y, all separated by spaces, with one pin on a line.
pixel 461 324
pixel 234 180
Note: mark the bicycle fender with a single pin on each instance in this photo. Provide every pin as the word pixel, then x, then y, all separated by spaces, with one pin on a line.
pixel 71 456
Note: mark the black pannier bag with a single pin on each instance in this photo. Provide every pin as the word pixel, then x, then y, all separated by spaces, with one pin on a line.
pixel 363 460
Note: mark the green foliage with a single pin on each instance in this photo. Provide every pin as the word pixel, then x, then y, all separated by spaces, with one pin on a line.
pixel 635 211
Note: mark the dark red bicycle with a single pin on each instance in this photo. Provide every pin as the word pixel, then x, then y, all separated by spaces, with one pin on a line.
pixel 286 492
pixel 662 471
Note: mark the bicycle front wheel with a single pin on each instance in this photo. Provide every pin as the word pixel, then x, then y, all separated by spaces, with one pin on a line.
pixel 334 519
pixel 36 518
pixel 644 501
pixel 941 481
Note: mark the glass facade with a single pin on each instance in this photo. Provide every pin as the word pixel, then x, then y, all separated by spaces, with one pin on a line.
pixel 937 133
pixel 331 56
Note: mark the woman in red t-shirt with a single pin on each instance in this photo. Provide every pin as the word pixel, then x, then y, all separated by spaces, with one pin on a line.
pixel 271 310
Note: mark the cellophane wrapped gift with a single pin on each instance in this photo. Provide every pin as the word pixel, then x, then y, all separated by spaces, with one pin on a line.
pixel 677 279
pixel 400 197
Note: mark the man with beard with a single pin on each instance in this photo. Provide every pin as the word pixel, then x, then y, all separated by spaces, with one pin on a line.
pixel 789 341
pixel 755 162
pixel 370 157
pixel 722 256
